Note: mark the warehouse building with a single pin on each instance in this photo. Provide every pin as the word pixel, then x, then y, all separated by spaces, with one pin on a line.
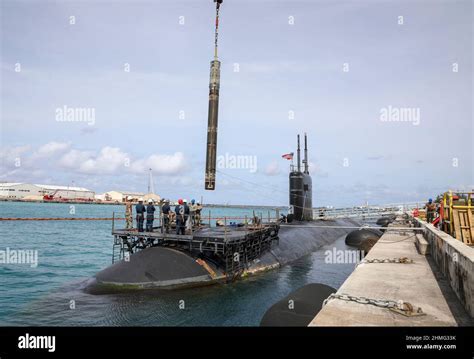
pixel 120 196
pixel 18 190
pixel 66 192
pixel 9 190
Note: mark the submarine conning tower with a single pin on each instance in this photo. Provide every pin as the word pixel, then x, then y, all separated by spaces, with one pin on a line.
pixel 301 191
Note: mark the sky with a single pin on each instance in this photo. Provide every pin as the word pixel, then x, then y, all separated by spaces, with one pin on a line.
pixel 95 93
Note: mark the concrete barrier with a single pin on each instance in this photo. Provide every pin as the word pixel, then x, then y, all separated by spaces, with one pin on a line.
pixel 422 244
pixel 455 260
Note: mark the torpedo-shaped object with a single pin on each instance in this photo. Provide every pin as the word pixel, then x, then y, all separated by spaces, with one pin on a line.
pixel 214 84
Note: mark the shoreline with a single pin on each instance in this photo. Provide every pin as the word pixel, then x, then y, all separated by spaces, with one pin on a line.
pixel 213 205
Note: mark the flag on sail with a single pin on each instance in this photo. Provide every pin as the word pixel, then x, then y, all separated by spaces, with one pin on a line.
pixel 288 156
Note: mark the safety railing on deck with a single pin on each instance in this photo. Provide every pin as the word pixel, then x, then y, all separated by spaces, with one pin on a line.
pixel 365 211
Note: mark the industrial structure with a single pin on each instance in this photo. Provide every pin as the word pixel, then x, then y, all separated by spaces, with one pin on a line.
pixel 457 215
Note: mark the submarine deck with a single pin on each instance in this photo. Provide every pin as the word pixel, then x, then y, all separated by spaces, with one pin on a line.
pixel 249 242
pixel 225 235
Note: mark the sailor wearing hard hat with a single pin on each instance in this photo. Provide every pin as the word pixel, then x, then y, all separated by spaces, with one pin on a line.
pixel 150 215
pixel 166 211
pixel 140 209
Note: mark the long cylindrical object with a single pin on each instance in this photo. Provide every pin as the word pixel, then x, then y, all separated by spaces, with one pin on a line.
pixel 306 164
pixel 298 159
pixel 214 83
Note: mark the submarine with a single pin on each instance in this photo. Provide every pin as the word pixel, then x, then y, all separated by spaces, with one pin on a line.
pixel 221 254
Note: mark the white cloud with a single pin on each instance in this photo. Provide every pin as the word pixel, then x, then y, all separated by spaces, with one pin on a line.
pixel 160 164
pixel 112 160
pixel 56 157
pixel 52 148
pixel 109 160
pixel 12 159
pixel 74 158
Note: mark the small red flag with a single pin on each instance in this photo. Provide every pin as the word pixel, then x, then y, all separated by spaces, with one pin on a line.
pixel 288 156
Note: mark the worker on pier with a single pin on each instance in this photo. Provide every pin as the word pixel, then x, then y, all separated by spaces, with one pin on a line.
pixel 140 209
pixel 430 210
pixel 165 210
pixel 128 213
pixel 180 217
pixel 150 215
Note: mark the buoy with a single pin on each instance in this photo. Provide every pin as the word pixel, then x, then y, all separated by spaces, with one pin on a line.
pixel 384 221
pixel 363 239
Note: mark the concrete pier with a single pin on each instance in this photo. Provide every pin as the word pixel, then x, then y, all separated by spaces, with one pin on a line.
pixel 420 283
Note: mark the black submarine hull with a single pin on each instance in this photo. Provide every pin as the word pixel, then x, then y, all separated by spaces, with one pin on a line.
pixel 168 268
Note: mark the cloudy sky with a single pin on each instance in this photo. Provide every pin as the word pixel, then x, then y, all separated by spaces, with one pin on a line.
pixel 347 73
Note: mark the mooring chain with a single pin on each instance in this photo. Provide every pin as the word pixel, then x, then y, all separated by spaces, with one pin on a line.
pixel 403 260
pixel 399 306
pixel 362 300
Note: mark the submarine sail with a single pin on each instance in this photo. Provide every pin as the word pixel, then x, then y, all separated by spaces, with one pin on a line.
pixel 301 190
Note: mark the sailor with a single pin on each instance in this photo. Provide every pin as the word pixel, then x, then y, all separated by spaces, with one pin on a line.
pixel 165 210
pixel 140 209
pixel 192 212
pixel 128 213
pixel 187 217
pixel 197 214
pixel 150 215
pixel 430 210
pixel 180 221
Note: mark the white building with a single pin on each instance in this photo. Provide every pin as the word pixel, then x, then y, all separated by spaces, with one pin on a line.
pixel 120 196
pixel 18 190
pixel 37 191
pixel 67 192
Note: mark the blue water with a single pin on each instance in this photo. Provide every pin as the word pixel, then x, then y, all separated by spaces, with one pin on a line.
pixel 70 252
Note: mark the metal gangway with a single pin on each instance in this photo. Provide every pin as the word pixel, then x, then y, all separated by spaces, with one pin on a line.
pixel 373 211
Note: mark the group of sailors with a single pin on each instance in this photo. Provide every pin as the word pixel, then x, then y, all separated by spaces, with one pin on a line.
pixel 184 215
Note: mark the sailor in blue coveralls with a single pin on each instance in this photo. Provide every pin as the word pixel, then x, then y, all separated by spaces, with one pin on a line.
pixel 140 209
pixel 150 215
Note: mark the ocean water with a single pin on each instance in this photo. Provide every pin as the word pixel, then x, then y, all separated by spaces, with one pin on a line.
pixel 71 252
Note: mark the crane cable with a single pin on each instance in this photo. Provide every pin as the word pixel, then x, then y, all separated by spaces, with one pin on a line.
pixel 218 4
